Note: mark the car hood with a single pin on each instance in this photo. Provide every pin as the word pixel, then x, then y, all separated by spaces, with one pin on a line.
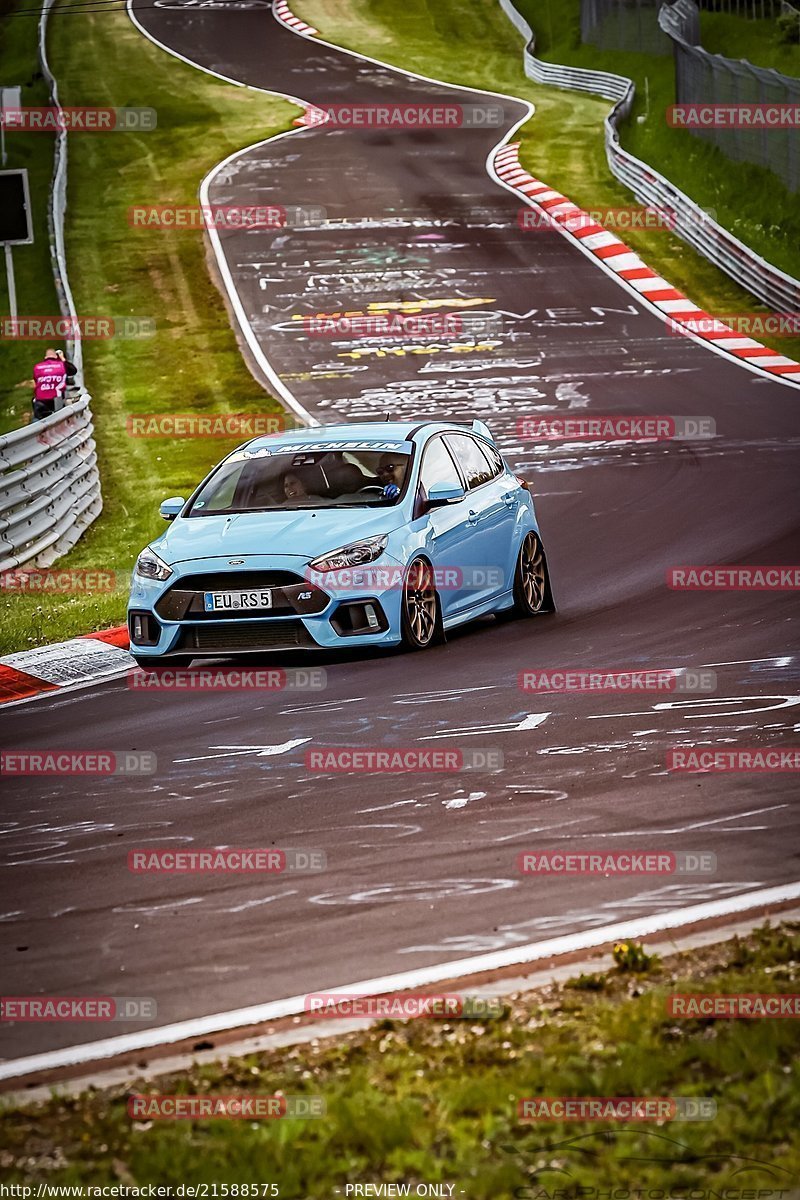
pixel 306 534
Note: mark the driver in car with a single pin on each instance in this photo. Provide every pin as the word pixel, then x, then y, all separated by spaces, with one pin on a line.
pixel 391 472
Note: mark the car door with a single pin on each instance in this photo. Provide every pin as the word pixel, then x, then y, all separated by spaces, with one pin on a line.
pixel 446 526
pixel 489 514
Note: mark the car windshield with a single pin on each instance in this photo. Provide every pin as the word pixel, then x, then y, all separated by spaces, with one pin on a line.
pixel 325 475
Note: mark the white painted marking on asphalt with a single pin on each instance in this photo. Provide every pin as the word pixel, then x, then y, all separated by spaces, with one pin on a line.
pixel 257 1014
pixel 236 908
pixel 532 721
pixel 386 807
pixel 463 801
pixel 259 751
pixel 674 706
pixel 743 662
pixel 415 698
pixel 678 829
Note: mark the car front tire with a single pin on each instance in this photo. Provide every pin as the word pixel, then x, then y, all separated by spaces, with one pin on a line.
pixel 420 607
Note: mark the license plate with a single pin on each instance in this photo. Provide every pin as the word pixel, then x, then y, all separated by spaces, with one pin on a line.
pixel 237 601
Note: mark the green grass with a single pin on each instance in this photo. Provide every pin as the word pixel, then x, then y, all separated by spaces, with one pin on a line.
pixel 758 41
pixel 429 1101
pixel 563 143
pixel 193 363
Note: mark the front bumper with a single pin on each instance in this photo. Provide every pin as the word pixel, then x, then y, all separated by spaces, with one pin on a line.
pixel 168 618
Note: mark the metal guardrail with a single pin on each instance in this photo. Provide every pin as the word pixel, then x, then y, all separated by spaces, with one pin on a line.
pixel 49 481
pixel 49 487
pixel 762 279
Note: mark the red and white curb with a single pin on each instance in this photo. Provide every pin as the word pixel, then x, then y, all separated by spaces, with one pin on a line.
pixel 680 312
pixel 48 668
pixel 285 14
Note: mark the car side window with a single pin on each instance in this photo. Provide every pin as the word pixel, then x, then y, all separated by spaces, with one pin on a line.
pixel 473 463
pixel 496 464
pixel 437 467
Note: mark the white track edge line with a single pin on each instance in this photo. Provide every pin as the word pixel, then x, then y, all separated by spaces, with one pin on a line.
pixel 493 960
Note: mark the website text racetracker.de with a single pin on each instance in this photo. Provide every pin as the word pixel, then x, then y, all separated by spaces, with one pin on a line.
pixel 142 1191
pixel 44 327
pixel 373 115
pixel 77 762
pixel 386 579
pixel 373 760
pixel 616 427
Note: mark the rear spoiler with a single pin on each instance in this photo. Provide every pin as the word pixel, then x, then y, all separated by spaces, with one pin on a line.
pixel 483 429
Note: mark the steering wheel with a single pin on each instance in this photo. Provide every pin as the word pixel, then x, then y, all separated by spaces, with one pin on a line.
pixel 371 487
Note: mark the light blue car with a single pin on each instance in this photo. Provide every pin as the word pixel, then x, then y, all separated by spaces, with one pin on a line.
pixel 376 534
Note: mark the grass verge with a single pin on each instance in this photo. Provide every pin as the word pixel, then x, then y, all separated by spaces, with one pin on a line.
pixel 477 46
pixel 193 362
pixel 429 1101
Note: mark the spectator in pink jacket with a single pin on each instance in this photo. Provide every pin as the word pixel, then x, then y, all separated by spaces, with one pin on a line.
pixel 50 377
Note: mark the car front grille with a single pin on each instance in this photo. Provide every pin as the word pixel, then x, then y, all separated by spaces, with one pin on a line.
pixel 245 635
pixel 184 601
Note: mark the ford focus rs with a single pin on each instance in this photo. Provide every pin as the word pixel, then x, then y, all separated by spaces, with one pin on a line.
pixel 376 534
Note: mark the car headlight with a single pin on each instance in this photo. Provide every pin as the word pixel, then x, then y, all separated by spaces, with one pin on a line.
pixel 150 566
pixel 354 555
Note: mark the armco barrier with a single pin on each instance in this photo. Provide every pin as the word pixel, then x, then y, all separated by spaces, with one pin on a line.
pixel 776 289
pixel 49 481
pixel 49 487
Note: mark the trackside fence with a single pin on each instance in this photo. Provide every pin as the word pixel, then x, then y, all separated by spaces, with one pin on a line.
pixel 49 487
pixel 49 481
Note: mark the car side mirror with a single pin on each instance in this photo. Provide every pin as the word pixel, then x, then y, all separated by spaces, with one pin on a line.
pixel 445 493
pixel 169 509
